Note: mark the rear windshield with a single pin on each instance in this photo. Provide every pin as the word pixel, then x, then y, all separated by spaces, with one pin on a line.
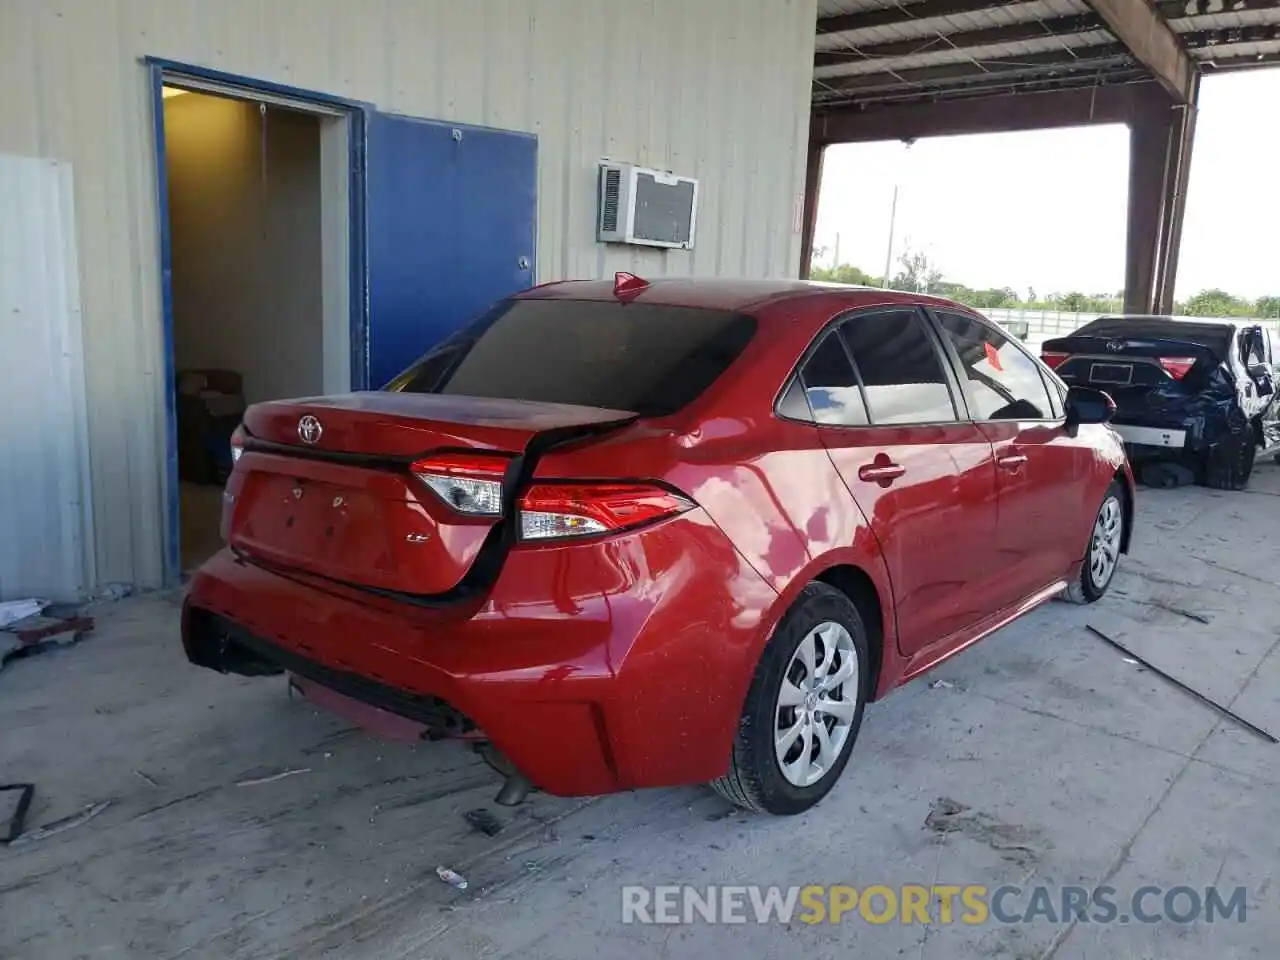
pixel 652 360
pixel 1217 337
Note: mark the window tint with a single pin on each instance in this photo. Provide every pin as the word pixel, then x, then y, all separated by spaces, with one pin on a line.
pixel 900 368
pixel 832 386
pixel 1004 381
pixel 793 405
pixel 650 359
pixel 423 376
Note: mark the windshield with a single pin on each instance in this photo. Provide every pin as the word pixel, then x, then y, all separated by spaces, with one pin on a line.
pixel 649 359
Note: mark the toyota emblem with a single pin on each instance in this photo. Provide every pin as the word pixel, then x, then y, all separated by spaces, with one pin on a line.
pixel 1115 346
pixel 309 429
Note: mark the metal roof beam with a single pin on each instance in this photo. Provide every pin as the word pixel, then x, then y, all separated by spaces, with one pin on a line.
pixel 1229 64
pixel 1040 64
pixel 1007 33
pixel 1180 9
pixel 996 86
pixel 1226 36
pixel 1152 43
pixel 1080 106
pixel 888 16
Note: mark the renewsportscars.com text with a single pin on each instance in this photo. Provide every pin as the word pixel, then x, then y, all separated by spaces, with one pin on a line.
pixel 933 904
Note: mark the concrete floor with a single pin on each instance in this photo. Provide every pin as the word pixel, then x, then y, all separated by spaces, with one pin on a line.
pixel 1079 767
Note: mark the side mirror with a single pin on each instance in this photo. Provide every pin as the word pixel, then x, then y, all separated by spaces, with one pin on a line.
pixel 1086 405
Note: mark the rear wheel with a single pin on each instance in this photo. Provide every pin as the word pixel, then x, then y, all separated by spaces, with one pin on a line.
pixel 1100 563
pixel 804 708
pixel 1230 464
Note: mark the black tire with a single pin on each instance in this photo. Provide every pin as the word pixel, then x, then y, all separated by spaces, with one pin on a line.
pixel 1086 588
pixel 1230 465
pixel 755 779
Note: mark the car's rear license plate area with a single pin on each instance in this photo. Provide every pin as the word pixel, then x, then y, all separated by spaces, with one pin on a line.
pixel 1115 373
pixel 337 529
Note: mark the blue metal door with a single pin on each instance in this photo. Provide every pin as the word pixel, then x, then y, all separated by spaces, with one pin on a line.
pixel 452 216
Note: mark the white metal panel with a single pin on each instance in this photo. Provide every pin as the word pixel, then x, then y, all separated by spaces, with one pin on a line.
pixel 713 89
pixel 45 514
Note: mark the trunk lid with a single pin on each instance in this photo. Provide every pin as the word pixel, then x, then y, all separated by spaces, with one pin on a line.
pixel 328 485
pixel 384 424
pixel 1134 371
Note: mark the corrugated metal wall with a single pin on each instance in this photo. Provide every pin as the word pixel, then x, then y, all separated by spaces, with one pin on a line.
pixel 714 88
pixel 44 483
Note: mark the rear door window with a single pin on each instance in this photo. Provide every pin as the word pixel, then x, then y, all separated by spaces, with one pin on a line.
pixel 832 386
pixel 1004 382
pixel 900 368
pixel 646 358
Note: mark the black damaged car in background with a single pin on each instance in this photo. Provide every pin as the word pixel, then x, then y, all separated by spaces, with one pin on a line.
pixel 1195 399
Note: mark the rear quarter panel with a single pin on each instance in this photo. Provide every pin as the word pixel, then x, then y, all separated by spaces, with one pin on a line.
pixel 767 483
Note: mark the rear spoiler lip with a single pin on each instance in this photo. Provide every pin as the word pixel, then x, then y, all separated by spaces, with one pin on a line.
pixel 399 462
pixel 1070 346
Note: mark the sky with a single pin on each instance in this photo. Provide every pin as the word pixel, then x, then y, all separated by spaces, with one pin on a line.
pixel 1045 210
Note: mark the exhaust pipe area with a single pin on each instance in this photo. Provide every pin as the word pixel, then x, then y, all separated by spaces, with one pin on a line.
pixel 516 787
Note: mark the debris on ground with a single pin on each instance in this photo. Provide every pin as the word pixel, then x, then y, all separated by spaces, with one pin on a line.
pixel 20 794
pixel 452 878
pixel 11 611
pixel 1191 691
pixel 139 773
pixel 942 685
pixel 256 781
pixel 484 821
pixel 115 591
pixel 30 634
pixel 63 825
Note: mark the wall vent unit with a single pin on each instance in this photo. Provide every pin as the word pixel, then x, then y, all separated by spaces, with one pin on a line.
pixel 653 208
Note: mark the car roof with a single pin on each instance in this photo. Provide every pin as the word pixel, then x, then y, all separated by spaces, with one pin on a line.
pixel 717 293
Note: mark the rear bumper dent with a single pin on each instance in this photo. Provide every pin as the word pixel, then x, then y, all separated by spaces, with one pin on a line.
pixel 594 668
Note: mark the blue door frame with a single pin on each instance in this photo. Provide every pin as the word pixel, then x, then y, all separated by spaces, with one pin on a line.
pixel 452 207
pixel 357 114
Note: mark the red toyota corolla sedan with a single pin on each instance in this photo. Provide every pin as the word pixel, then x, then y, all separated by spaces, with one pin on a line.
pixel 633 534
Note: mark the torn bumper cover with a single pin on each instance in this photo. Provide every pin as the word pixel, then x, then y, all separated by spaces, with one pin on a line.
pixel 1175 422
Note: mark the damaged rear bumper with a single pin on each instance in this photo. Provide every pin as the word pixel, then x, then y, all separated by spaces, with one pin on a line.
pixel 1155 437
pixel 567 668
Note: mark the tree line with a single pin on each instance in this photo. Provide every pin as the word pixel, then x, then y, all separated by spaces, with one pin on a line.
pixel 917 272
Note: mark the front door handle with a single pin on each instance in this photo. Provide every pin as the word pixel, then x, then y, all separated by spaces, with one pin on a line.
pixel 884 472
pixel 1013 462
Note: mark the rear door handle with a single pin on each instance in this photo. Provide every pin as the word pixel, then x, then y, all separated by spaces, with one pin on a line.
pixel 881 472
pixel 1012 462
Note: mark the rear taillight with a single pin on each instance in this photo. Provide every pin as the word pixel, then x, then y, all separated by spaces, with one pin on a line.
pixel 237 444
pixel 1177 367
pixel 470 483
pixel 552 510
pixel 1052 359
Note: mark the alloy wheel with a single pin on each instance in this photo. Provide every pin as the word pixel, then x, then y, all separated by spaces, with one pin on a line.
pixel 1104 549
pixel 816 703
